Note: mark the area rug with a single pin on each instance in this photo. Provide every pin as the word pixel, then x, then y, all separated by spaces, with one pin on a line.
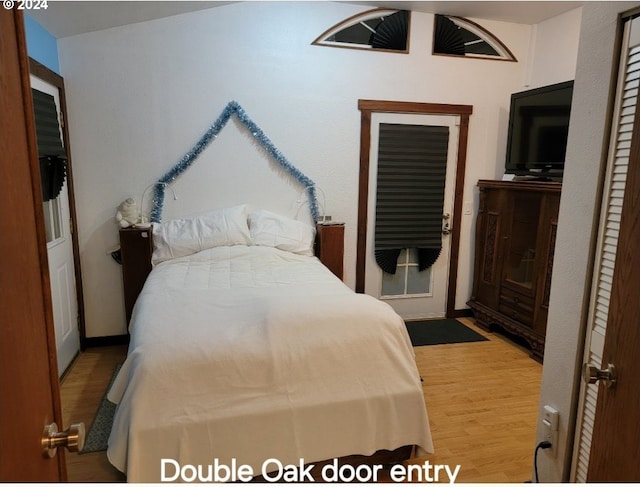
pixel 100 428
pixel 440 332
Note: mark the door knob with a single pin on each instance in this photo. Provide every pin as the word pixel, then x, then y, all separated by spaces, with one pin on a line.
pixel 72 438
pixel 592 374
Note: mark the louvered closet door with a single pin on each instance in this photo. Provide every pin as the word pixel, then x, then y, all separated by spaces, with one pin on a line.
pixel 617 166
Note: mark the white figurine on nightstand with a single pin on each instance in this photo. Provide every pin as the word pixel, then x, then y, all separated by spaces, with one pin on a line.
pixel 128 214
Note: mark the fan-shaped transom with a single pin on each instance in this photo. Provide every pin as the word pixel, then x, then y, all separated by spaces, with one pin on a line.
pixel 378 30
pixel 457 36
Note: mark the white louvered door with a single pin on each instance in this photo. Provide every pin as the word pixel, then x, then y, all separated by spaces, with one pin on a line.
pixel 615 181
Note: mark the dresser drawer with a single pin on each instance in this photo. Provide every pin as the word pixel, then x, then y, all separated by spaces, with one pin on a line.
pixel 516 300
pixel 519 315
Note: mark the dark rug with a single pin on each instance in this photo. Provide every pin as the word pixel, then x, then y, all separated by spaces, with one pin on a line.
pixel 100 428
pixel 439 332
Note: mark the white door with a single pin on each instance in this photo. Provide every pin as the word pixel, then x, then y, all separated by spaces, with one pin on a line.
pixel 412 293
pixel 57 218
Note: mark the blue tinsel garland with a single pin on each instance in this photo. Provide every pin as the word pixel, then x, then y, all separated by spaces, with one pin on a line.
pixel 189 158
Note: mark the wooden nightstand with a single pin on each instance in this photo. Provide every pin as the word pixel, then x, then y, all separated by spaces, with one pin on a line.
pixel 330 246
pixel 136 247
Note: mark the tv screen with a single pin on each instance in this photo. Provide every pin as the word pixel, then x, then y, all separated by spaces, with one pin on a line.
pixel 538 129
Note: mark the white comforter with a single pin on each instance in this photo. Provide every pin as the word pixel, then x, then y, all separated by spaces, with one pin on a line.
pixel 251 353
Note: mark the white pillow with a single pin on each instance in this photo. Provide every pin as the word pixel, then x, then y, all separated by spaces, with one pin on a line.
pixel 186 236
pixel 283 233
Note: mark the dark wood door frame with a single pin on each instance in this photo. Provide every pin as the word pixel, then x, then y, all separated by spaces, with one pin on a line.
pixel 45 74
pixel 367 108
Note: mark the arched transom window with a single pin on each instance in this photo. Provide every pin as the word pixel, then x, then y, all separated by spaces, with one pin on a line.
pixel 457 36
pixel 378 29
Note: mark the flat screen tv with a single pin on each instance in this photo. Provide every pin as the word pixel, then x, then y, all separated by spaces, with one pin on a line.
pixel 538 129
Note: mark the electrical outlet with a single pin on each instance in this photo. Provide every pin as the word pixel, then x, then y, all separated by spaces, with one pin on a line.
pixel 550 419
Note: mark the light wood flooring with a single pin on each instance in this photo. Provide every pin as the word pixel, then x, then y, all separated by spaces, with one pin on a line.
pixel 82 389
pixel 482 401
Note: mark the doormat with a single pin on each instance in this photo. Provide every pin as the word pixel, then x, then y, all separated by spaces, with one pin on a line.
pixel 100 429
pixel 440 332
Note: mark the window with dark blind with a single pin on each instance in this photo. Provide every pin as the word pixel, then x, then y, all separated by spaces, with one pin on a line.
pixel 412 164
pixel 457 36
pixel 51 153
pixel 376 30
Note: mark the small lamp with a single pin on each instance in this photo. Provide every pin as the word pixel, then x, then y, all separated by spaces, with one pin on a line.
pixel 143 223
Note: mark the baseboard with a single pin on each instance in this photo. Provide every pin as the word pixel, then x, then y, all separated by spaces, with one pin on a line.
pixel 106 341
pixel 461 313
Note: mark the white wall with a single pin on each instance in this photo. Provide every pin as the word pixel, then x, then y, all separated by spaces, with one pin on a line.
pixel 577 227
pixel 139 97
pixel 556 44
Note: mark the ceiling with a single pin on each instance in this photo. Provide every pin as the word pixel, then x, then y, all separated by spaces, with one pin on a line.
pixel 518 12
pixel 67 18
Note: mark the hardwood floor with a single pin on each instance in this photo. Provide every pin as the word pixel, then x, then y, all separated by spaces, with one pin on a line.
pixel 482 401
pixel 82 389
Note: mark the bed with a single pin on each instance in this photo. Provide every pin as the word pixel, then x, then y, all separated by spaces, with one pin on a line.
pixel 245 348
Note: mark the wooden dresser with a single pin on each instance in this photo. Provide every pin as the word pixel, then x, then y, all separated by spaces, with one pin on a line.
pixel 136 247
pixel 515 240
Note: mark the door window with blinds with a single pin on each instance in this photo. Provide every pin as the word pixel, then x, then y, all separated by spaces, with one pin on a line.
pixel 615 183
pixel 408 279
pixel 52 158
pixel 412 166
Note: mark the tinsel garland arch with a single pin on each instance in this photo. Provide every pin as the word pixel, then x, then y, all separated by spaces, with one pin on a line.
pixel 232 108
